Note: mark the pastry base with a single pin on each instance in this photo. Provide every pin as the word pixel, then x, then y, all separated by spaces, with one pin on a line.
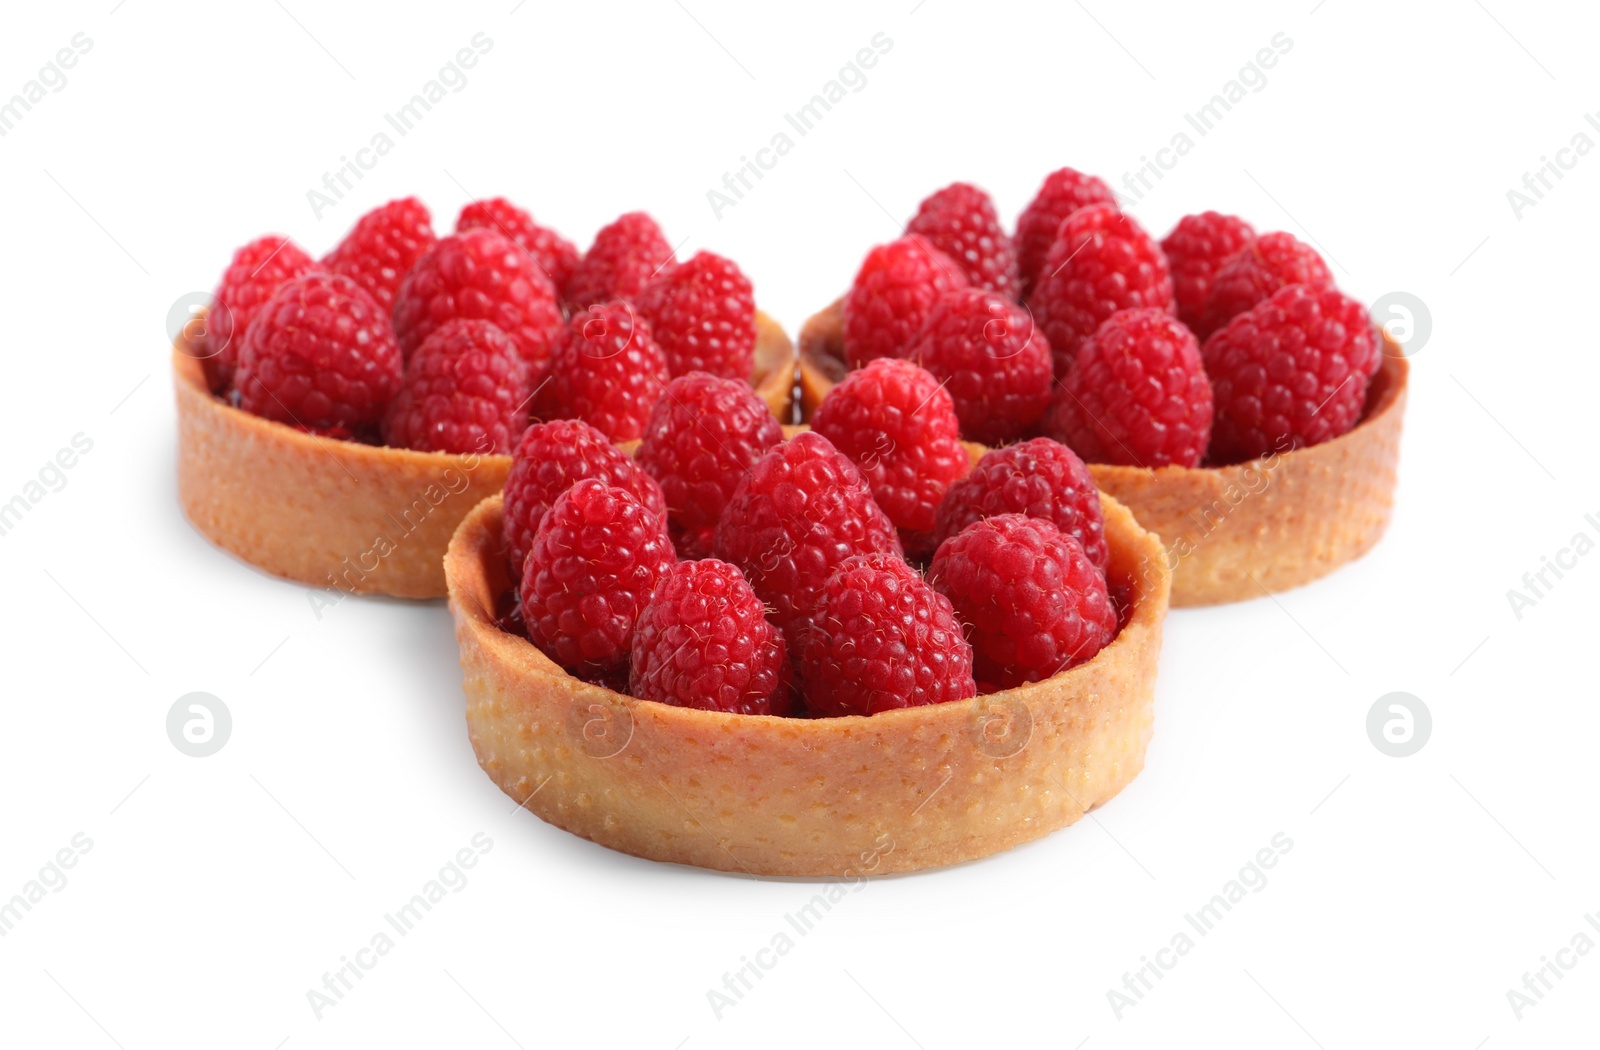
pixel 854 796
pixel 338 514
pixel 1239 531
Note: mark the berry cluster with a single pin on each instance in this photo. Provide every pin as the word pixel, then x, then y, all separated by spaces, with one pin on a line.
pixel 457 343
pixel 1212 346
pixel 795 595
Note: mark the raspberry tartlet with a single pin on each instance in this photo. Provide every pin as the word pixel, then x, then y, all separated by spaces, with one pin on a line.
pixel 1216 383
pixel 338 419
pixel 851 740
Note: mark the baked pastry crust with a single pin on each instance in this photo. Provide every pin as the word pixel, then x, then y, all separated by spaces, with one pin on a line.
pixel 897 791
pixel 338 514
pixel 1239 531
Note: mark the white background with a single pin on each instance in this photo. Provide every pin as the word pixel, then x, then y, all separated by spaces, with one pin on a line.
pixel 219 890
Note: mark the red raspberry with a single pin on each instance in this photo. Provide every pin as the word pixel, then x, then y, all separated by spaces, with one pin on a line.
pixel 1137 394
pixel 1102 261
pixel 551 458
pixel 554 254
pixel 257 270
pixel 1270 262
pixel 595 562
pixel 704 641
pixel 1063 192
pixel 1195 250
pixel 482 275
pixel 382 248
pixel 703 436
pixel 703 313
pixel 898 425
pixel 319 354
pixel 897 285
pixel 1040 478
pixel 1033 602
pixel 466 389
pixel 883 640
pixel 995 363
pixel 1291 372
pixel 960 221
pixel 607 371
pixel 801 510
pixel 625 256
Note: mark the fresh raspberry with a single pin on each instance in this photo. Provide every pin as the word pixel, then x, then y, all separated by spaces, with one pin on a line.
pixel 595 562
pixel 960 221
pixel 897 285
pixel 994 361
pixel 482 275
pixel 1137 394
pixel 800 511
pixel 1033 602
pixel 625 256
pixel 1195 250
pixel 899 426
pixel 1102 261
pixel 1252 274
pixel 465 390
pixel 1290 372
pixel 883 639
pixel 1040 478
pixel 382 248
pixel 257 270
pixel 556 255
pixel 1064 192
pixel 607 371
pixel 704 641
pixel 320 354
pixel 703 436
pixel 551 458
pixel 703 313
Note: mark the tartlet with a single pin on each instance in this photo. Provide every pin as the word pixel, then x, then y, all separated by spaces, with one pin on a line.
pixel 359 518
pixel 859 795
pixel 1239 531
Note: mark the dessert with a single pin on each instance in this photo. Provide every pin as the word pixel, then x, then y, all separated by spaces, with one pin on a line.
pixel 702 767
pixel 1217 383
pixel 339 442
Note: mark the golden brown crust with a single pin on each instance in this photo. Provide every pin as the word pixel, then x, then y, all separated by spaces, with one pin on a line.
pixel 897 791
pixel 362 519
pixel 1233 532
